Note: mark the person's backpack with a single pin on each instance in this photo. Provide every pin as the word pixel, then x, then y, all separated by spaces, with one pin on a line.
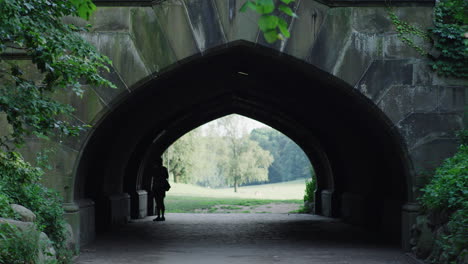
pixel 166 186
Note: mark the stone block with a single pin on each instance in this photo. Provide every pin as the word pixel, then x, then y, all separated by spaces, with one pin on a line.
pixel 381 75
pixel 72 217
pixel 119 47
pixel 111 19
pixel 421 128
pixel 151 43
pixel 417 16
pixel 139 204
pixel 370 20
pixel 204 20
pixel 452 99
pixel 408 219
pixel 25 214
pixel 327 204
pixel 334 33
pixel 110 95
pixel 400 101
pixel 237 25
pixel 61 160
pixel 356 56
pixel 306 29
pixel 429 155
pixel 449 81
pixel 394 48
pixel 86 107
pixel 120 208
pixel 87 221
pixel 172 17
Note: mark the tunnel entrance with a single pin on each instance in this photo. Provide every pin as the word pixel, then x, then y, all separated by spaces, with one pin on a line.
pixel 359 159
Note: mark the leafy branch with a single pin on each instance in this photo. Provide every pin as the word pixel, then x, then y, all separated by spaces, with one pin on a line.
pixel 273 27
pixel 449 37
pixel 63 60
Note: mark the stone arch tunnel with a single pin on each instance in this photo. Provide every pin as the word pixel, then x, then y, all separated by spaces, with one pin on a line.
pixel 359 158
pixel 365 108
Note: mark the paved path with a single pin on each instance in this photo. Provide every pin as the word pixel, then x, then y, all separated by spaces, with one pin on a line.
pixel 239 238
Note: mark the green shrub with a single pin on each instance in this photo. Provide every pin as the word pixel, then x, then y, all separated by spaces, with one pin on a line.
pixel 448 192
pixel 19 183
pixel 311 185
pixel 449 187
pixel 17 246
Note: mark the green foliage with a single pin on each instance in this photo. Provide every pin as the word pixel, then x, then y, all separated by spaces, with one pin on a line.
pixel 449 37
pixel 449 187
pixel 5 209
pixel 311 185
pixel 290 162
pixel 62 58
pixel 273 26
pixel 18 247
pixel 450 34
pixel 448 192
pixel 19 182
pixel 407 33
pixel 218 159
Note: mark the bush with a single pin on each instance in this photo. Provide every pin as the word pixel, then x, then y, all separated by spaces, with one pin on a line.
pixel 311 185
pixel 18 247
pixel 449 187
pixel 19 183
pixel 448 193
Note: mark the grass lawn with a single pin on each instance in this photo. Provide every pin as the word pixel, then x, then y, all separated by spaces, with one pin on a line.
pixel 188 204
pixel 186 198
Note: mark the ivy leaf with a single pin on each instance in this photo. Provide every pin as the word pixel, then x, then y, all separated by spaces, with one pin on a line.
pixel 270 36
pixel 84 8
pixel 267 22
pixel 248 5
pixel 283 27
pixel 265 6
pixel 287 10
pixel 288 1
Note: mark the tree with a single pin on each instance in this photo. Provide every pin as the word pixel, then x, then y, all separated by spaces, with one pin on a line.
pixel 60 57
pixel 179 157
pixel 247 161
pixel 290 162
pixel 59 60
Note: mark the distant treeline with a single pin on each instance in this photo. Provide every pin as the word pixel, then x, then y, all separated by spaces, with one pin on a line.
pixel 222 153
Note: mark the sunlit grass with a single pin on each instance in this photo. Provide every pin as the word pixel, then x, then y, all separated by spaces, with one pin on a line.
pixel 186 198
pixel 293 190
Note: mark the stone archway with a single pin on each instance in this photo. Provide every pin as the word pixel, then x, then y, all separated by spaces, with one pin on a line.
pixel 360 160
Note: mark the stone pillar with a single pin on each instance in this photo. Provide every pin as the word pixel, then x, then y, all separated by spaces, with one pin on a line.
pixel 139 204
pixel 327 203
pixel 72 217
pixel 408 219
pixel 87 221
pixel 119 208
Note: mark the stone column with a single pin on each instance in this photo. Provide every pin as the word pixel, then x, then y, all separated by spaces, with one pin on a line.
pixel 408 219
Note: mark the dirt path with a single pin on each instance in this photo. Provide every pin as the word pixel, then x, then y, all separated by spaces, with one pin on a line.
pixel 275 208
pixel 240 238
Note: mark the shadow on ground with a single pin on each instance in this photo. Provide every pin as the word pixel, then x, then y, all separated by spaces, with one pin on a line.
pixel 240 238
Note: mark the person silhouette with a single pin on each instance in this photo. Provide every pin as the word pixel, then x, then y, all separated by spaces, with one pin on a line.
pixel 160 187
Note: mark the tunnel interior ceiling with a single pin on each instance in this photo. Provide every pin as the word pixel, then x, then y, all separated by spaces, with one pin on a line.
pixel 364 151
